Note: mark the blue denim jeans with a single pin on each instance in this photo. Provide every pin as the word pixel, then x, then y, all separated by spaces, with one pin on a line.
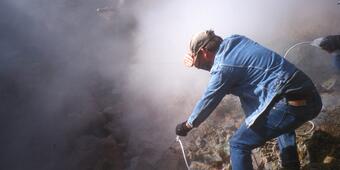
pixel 280 121
pixel 337 61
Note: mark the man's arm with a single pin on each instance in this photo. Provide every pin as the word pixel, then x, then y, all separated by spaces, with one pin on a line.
pixel 331 44
pixel 218 86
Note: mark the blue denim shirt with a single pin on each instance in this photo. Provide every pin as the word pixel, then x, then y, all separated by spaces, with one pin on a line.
pixel 248 70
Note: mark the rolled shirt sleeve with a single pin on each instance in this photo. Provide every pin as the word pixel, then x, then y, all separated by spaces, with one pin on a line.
pixel 218 86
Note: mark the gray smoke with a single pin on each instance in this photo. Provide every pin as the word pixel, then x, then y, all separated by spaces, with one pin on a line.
pixel 57 57
pixel 60 59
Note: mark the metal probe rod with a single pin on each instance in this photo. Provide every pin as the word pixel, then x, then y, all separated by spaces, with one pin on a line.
pixel 185 158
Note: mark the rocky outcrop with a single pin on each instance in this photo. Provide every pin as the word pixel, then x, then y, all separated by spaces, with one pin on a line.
pixel 207 146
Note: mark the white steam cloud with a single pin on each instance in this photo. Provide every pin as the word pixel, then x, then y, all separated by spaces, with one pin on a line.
pixel 161 92
pixel 57 55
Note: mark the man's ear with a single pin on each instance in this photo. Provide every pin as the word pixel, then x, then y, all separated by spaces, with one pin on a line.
pixel 204 52
pixel 208 55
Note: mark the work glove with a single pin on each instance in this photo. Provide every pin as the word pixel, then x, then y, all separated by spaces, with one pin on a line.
pixel 329 43
pixel 182 129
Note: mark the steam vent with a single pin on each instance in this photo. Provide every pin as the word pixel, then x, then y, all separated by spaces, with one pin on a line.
pixel 101 84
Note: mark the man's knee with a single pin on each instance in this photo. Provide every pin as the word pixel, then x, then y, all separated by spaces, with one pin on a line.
pixel 239 146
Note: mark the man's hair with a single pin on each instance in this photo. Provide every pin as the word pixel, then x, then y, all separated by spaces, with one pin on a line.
pixel 214 44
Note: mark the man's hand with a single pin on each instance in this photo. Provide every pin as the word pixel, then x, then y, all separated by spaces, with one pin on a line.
pixel 189 60
pixel 182 129
pixel 329 43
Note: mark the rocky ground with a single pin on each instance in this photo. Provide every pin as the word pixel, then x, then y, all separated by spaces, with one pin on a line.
pixel 207 146
pixel 104 145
